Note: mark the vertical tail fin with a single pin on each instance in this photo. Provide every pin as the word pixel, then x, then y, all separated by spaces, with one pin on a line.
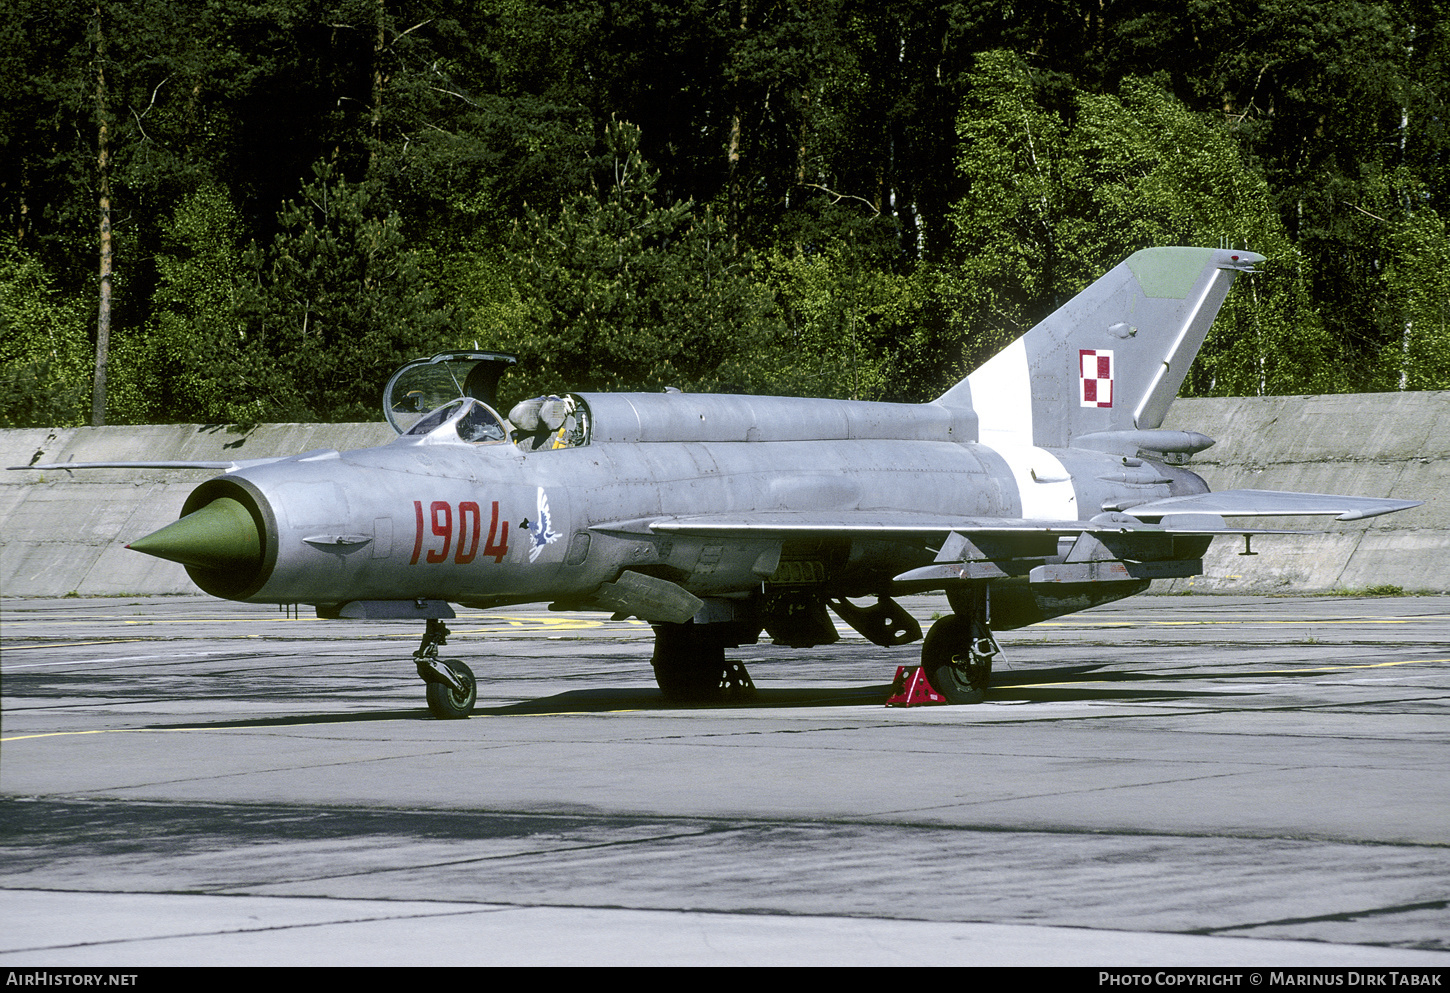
pixel 1110 359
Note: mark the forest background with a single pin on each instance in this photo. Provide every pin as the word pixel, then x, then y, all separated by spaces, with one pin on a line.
pixel 254 210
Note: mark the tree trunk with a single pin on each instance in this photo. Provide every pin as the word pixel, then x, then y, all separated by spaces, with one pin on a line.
pixel 377 115
pixel 732 155
pixel 103 316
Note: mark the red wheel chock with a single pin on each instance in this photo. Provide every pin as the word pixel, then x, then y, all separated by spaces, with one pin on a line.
pixel 910 688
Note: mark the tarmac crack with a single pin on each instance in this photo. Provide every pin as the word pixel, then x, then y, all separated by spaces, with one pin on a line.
pixel 1342 916
pixel 262 771
pixel 478 859
pixel 251 930
pixel 1019 797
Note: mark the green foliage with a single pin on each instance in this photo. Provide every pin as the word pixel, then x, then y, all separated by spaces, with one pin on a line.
pixel 1417 290
pixel 337 305
pixel 842 198
pixel 618 292
pixel 175 367
pixel 1057 196
pixel 1008 227
pixel 45 359
pixel 846 325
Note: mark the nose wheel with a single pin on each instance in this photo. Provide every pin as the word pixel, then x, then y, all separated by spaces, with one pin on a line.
pixel 451 690
pixel 447 703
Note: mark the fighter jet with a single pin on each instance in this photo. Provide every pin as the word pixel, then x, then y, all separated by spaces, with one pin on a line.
pixel 1041 484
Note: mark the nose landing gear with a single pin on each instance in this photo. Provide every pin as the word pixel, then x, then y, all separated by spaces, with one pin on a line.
pixel 451 687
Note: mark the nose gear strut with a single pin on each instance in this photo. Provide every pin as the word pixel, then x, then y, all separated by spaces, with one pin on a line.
pixel 451 690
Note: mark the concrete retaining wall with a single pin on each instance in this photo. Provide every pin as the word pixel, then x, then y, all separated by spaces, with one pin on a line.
pixel 1374 444
pixel 65 531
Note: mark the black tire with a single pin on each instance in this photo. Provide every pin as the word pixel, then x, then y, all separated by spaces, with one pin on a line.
pixel 689 666
pixel 946 658
pixel 446 703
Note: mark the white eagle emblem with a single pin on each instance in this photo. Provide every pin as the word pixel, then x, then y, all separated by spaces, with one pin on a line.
pixel 541 532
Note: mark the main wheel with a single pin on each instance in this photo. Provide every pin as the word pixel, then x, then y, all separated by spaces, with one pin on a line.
pixel 689 666
pixel 950 667
pixel 448 704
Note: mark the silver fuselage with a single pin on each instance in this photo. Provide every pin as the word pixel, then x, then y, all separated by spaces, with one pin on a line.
pixel 419 519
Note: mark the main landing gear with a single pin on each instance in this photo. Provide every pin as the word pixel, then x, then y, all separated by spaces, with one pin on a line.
pixel 690 667
pixel 957 657
pixel 451 687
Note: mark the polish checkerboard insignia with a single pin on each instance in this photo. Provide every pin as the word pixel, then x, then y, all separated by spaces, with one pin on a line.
pixel 1095 377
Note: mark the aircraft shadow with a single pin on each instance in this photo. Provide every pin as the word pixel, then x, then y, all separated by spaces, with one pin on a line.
pixel 295 720
pixel 1037 686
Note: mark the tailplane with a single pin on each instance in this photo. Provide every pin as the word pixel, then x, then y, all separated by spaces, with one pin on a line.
pixel 1111 359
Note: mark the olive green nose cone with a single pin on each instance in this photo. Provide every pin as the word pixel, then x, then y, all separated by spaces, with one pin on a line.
pixel 221 535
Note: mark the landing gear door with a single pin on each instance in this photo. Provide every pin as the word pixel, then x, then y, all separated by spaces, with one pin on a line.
pixel 426 384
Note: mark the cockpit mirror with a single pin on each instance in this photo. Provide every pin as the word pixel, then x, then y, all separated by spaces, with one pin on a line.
pixel 425 385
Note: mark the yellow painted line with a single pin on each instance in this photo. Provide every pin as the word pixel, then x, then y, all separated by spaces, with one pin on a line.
pixel 76 644
pixel 1246 620
pixel 1364 665
pixel 308 724
pixel 1261 672
pixel 132 619
pixel 72 734
pixel 69 734
pixel 565 621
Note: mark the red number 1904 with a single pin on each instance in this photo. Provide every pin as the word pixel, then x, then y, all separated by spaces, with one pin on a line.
pixel 470 525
